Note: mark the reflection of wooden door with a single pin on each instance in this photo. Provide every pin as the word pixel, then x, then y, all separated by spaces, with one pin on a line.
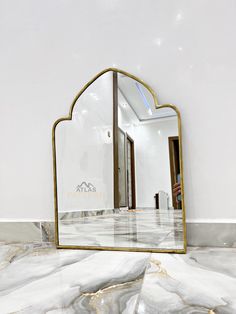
pixel 174 168
pixel 122 168
pixel 126 171
pixel 130 174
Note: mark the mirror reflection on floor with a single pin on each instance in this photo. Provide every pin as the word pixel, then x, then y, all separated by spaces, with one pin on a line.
pixel 118 169
pixel 147 228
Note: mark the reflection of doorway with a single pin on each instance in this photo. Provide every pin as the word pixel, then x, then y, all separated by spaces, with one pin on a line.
pixel 130 173
pixel 174 168
pixel 126 171
pixel 122 156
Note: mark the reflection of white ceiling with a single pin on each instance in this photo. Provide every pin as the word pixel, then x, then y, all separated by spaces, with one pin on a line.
pixel 140 100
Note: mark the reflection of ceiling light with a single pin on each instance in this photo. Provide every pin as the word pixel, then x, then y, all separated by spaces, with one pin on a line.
pixel 144 98
pixel 95 96
pixel 84 111
pixel 150 111
pixel 157 41
pixel 124 105
pixel 179 17
pixel 159 132
pixel 180 48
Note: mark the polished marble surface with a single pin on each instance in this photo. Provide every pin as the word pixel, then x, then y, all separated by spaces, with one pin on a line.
pixel 36 279
pixel 202 281
pixel 141 228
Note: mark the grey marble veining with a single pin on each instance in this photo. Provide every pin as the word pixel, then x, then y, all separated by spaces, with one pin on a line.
pixel 48 231
pixel 73 215
pixel 37 278
pixel 198 234
pixel 202 281
pixel 148 228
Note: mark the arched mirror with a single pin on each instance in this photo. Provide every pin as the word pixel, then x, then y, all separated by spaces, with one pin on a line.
pixel 118 177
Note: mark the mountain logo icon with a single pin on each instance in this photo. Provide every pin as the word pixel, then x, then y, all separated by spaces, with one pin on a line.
pixel 85 187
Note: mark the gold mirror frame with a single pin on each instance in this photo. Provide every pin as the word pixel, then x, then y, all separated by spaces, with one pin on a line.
pixel 69 117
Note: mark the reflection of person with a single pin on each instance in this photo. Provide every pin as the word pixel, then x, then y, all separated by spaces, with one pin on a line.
pixel 177 191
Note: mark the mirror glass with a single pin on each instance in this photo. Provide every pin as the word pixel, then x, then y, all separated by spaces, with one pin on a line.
pixel 118 170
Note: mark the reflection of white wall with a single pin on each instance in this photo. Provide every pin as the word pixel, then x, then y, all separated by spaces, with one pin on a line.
pixel 85 150
pixel 152 162
pixel 152 159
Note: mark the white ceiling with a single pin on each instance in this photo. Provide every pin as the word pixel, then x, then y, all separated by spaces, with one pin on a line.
pixel 140 99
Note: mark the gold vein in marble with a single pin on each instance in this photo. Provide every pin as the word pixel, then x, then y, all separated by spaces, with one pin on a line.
pixel 95 296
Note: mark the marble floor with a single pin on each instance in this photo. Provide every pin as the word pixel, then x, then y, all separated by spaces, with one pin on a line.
pixel 36 279
pixel 143 228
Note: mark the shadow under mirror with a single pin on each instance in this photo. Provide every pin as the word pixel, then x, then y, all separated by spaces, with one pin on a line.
pixel 118 170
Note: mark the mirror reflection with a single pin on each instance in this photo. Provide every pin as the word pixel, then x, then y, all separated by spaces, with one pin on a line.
pixel 118 170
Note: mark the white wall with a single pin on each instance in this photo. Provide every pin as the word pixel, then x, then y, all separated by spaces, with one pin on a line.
pixel 184 49
pixel 152 159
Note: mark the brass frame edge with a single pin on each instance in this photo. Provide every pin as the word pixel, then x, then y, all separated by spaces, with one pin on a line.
pixel 68 118
pixel 124 249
